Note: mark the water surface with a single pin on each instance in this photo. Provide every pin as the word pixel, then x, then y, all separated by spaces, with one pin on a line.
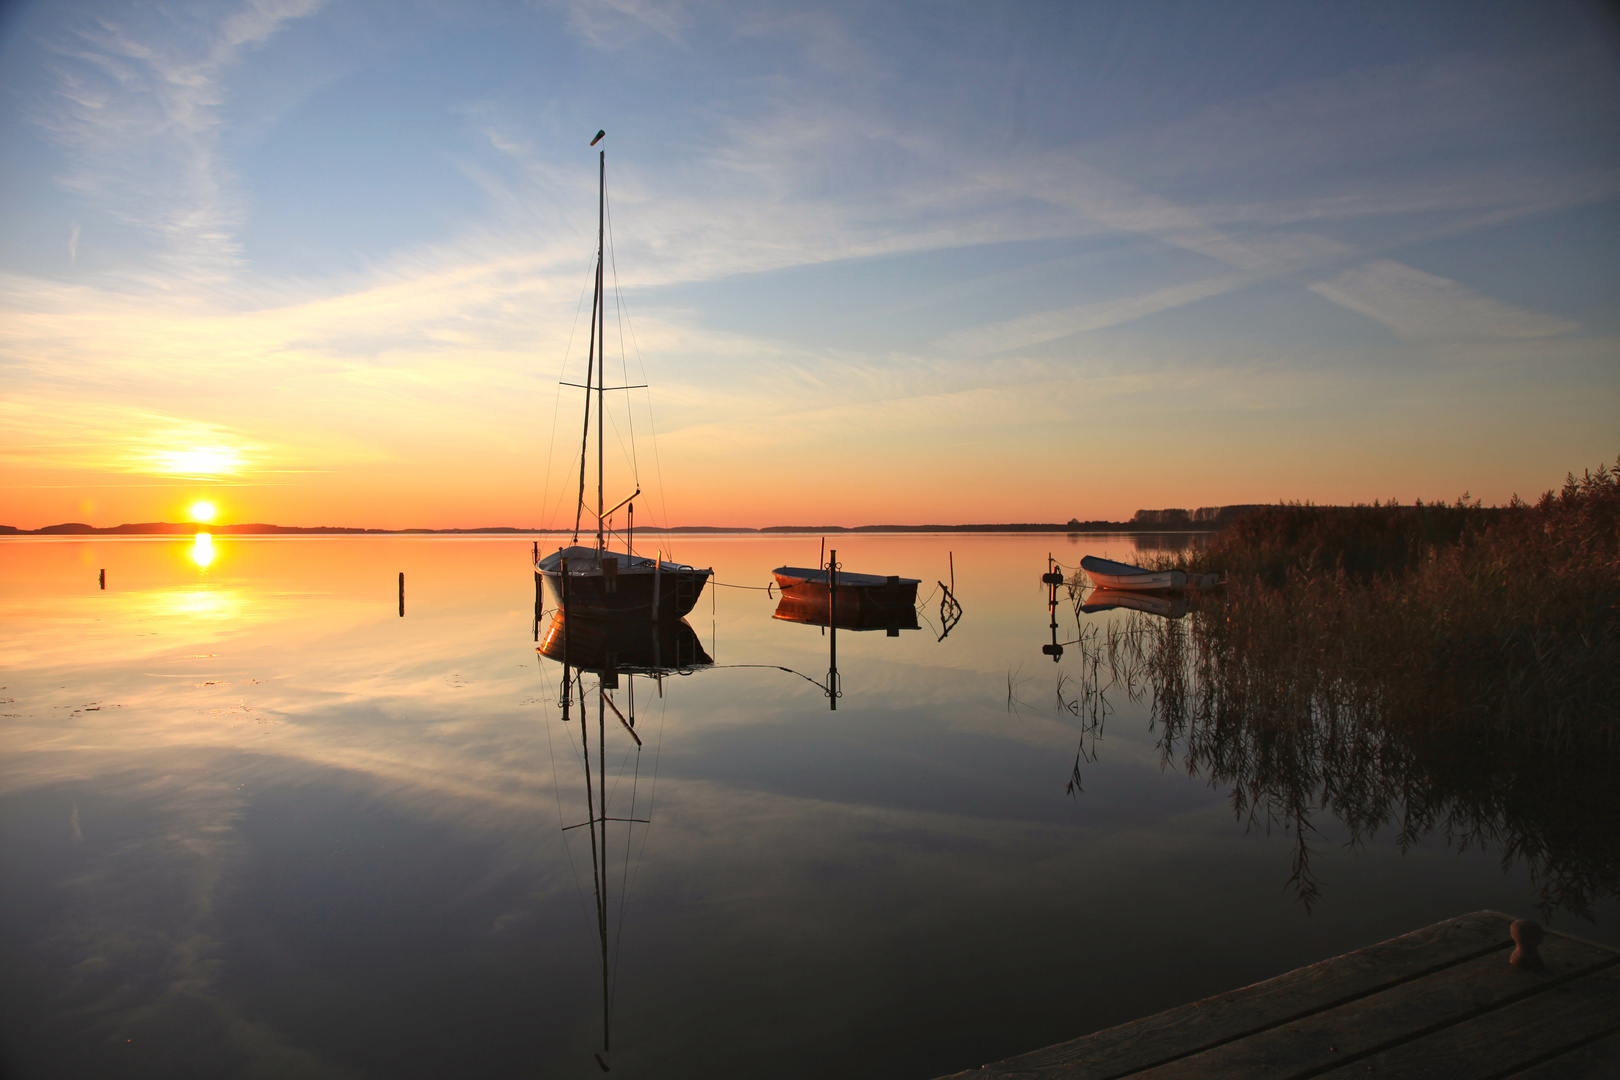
pixel 256 823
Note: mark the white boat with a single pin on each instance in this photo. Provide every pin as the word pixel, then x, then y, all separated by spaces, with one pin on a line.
pixel 1107 574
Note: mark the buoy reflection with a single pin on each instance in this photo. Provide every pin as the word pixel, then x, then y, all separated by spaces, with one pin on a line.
pixel 202 549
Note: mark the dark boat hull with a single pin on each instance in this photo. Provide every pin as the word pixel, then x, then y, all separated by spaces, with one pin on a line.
pixel 630 596
pixel 633 646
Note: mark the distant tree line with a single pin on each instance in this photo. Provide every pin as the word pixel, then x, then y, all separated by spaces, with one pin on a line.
pixel 1175 518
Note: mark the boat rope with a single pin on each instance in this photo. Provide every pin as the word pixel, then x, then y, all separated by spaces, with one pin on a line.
pixel 774 667
pixel 771 588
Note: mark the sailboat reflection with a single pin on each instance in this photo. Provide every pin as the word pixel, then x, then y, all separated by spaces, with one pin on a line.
pixel 610 649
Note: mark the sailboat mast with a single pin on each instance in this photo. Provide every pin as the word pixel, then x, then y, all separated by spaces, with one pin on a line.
pixel 601 340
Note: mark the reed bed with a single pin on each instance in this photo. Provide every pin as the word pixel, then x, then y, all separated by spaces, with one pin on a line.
pixel 1447 670
pixel 1501 622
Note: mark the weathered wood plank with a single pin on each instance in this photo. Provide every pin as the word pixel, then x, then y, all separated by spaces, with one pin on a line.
pixel 1595 1059
pixel 1386 1019
pixel 1188 1029
pixel 1508 1039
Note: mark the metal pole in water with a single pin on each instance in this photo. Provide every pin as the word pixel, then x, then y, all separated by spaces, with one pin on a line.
pixel 402 594
pixel 832 630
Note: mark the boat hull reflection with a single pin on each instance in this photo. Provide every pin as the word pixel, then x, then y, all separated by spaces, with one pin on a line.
pixel 634 646
pixel 1161 604
pixel 810 605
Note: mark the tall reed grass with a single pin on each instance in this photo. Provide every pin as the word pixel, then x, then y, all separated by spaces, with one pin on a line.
pixel 1429 669
pixel 1456 619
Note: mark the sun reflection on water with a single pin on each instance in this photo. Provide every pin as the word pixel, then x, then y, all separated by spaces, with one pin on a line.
pixel 202 549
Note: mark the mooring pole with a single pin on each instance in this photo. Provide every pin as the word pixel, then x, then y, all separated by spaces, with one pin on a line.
pixel 402 594
pixel 832 630
pixel 104 579
pixel 568 684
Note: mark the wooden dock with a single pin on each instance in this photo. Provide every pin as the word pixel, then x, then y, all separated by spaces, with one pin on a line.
pixel 1443 1001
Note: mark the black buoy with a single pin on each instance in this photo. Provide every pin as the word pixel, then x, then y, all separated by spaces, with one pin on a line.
pixel 1052 578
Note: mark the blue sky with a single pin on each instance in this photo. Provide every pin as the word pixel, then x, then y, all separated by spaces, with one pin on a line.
pixel 944 262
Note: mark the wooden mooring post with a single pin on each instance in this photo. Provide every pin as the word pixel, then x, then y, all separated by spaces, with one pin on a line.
pixel 1447 1000
pixel 402 594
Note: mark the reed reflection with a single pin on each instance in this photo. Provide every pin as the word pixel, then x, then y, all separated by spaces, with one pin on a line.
pixel 1295 731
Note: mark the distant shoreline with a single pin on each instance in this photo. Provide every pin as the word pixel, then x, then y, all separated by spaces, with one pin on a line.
pixel 163 528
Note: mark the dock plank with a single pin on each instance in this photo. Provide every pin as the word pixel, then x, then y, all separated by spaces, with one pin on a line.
pixel 1509 1039
pixel 1598 1058
pixel 1379 1021
pixel 1190 1029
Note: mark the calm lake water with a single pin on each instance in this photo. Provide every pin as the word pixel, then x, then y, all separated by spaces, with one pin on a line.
pixel 256 823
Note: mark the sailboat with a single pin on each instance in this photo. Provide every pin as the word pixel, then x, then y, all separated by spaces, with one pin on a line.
pixel 595 580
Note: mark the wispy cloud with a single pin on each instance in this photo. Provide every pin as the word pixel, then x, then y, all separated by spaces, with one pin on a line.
pixel 137 108
pixel 618 24
pixel 1043 326
pixel 1423 306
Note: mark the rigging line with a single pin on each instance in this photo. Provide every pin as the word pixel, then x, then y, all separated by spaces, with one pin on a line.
pixel 624 880
pixel 622 318
pixel 652 422
pixel 652 804
pixel 617 776
pixel 619 437
pixel 556 407
pixel 556 787
pixel 584 734
pixel 585 435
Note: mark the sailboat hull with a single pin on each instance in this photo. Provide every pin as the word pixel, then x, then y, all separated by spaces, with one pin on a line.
pixel 629 591
pixel 631 595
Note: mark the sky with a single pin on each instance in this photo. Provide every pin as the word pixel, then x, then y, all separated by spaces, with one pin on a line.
pixel 328 262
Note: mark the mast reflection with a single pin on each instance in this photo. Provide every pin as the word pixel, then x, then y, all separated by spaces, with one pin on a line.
pixel 614 651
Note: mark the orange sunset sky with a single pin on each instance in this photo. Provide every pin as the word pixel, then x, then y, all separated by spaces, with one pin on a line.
pixel 323 263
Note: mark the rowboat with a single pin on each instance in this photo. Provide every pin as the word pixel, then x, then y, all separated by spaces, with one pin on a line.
pixel 855 592
pixel 1107 574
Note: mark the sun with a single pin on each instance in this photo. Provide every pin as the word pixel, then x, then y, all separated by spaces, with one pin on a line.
pixel 202 511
